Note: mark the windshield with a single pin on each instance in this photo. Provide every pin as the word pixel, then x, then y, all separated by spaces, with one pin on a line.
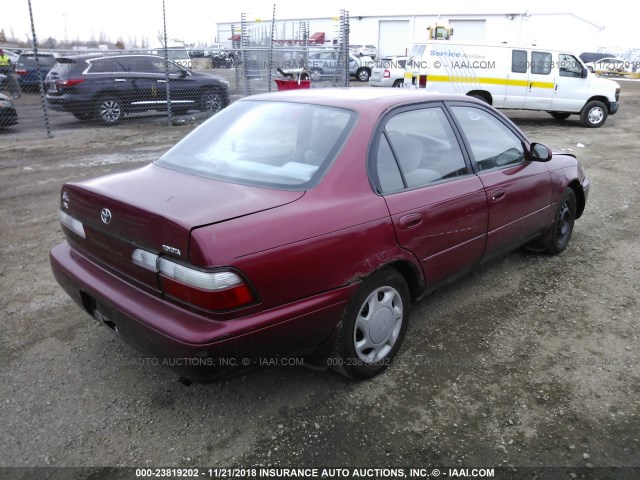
pixel 273 144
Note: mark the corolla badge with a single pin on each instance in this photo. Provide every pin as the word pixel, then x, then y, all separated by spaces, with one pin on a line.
pixel 105 215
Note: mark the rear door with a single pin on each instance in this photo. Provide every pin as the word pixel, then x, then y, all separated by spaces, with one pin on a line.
pixel 438 206
pixel 518 191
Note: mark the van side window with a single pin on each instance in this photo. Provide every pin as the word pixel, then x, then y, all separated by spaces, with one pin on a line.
pixel 569 66
pixel 519 61
pixel 541 63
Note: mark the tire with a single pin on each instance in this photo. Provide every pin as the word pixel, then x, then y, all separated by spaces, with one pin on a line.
pixel 108 110
pixel 373 326
pixel 363 74
pixel 560 115
pixel 560 233
pixel 316 74
pixel 594 114
pixel 398 83
pixel 211 101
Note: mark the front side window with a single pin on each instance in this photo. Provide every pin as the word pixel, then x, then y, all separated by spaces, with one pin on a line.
pixel 492 143
pixel 271 144
pixel 569 66
pixel 422 146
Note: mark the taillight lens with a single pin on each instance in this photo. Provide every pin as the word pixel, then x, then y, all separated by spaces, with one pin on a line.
pixel 21 71
pixel 71 223
pixel 422 81
pixel 70 82
pixel 212 290
pixel 386 74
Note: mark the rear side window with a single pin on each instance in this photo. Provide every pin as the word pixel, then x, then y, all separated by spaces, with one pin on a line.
pixel 106 65
pixel 519 61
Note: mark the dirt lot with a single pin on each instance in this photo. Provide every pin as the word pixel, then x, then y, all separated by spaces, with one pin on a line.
pixel 530 361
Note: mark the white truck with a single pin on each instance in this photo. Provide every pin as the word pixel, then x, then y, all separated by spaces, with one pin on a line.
pixel 529 78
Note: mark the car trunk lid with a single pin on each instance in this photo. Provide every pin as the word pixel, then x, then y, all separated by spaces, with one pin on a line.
pixel 154 209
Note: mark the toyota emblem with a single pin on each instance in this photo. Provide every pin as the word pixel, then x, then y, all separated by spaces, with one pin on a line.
pixel 105 215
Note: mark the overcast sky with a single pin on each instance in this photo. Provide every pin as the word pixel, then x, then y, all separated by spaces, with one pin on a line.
pixel 194 21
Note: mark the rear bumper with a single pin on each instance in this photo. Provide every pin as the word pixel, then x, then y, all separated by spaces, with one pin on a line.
pixel 195 346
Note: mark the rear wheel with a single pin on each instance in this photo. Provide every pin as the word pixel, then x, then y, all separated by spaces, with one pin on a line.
pixel 211 101
pixel 109 110
pixel 316 74
pixel 594 114
pixel 398 83
pixel 479 96
pixel 373 326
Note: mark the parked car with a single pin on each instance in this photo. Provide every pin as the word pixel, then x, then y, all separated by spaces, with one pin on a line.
pixel 363 50
pixel 388 72
pixel 26 68
pixel 305 222
pixel 609 66
pixel 106 87
pixel 324 64
pixel 8 114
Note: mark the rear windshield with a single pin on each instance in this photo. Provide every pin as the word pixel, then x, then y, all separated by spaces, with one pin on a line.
pixel 272 144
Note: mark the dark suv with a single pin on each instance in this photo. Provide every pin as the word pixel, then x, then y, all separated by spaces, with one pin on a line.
pixel 105 87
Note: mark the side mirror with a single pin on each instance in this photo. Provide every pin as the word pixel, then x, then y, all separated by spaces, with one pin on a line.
pixel 540 152
pixel 584 72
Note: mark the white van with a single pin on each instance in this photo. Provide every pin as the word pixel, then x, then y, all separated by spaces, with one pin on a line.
pixel 529 78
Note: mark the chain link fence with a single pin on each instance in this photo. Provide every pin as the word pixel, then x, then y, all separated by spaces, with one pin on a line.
pixel 108 85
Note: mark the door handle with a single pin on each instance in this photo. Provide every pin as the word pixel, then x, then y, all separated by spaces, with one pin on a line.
pixel 410 221
pixel 498 194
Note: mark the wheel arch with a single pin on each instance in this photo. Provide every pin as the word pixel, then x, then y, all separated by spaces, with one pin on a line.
pixel 599 98
pixel 581 201
pixel 411 275
pixel 486 96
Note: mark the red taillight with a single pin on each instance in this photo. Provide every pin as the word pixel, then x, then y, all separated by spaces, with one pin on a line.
pixel 218 289
pixel 70 82
pixel 422 81
pixel 219 300
pixel 386 74
pixel 21 71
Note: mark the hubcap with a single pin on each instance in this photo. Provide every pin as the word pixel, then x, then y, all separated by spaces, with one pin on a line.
pixel 378 324
pixel 110 110
pixel 595 115
pixel 213 103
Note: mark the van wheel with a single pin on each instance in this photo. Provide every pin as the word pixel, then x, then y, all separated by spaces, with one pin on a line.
pixel 373 326
pixel 560 115
pixel 594 114
pixel 398 83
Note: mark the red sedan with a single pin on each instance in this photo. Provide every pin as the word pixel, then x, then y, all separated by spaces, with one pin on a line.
pixel 305 222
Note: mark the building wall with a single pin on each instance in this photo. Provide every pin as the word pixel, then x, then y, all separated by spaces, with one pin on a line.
pixel 560 31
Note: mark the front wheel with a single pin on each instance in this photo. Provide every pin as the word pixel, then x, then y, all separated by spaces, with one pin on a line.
pixel 594 114
pixel 363 74
pixel 373 326
pixel 560 233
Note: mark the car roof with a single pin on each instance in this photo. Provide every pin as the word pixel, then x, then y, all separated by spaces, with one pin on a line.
pixel 95 56
pixel 358 99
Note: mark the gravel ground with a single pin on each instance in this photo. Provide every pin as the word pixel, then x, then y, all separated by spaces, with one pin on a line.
pixel 530 361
